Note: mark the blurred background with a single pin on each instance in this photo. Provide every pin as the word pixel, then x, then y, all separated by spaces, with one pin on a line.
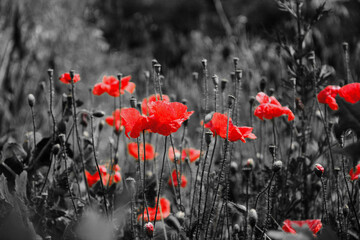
pixel 98 37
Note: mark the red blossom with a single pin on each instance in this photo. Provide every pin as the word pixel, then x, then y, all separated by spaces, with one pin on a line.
pixel 314 225
pixel 119 123
pixel 110 85
pixel 270 108
pixel 105 175
pixel 355 175
pixel 165 209
pixel 152 98
pixel 350 92
pixel 218 125
pixel 192 153
pixel 65 78
pixel 327 96
pixel 134 122
pixel 149 151
pixel 182 178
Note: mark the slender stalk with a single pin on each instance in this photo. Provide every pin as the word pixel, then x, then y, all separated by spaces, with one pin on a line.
pixel 176 168
pixel 144 174
pixel 346 62
pixel 263 191
pixel 324 199
pixel 34 126
pixel 51 93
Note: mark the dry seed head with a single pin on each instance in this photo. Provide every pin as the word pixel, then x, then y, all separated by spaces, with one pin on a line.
pixel 231 100
pixel 346 210
pixel 253 217
pixel 232 77
pixel 138 105
pixel 31 100
pixel 277 166
pixel 215 79
pixel 184 101
pixel 101 125
pixel 223 84
pixel 272 150
pixel 204 63
pixel 133 102
pixel 293 80
pixel 238 74
pixel 50 72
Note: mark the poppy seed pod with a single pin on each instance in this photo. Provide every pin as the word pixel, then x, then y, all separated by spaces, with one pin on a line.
pixel 204 63
pixel 138 105
pixel 247 171
pixel 55 149
pixel 119 76
pixel 345 46
pixel 31 100
pixel 336 170
pixel 346 210
pixel 236 61
pixel 233 167
pixel 272 150
pixel 72 74
pixel 195 76
pixel 157 68
pixel 149 229
pixel 184 101
pixel 215 79
pixel 262 84
pixel 208 136
pixel 238 74
pixel 253 217
pixel 101 125
pixel 98 114
pixel 236 228
pixel 252 100
pixel 153 62
pixel 62 138
pixel 231 100
pixel 271 91
pixel 293 80
pixel 319 170
pixel 223 84
pixel 50 72
pixel 277 166
pixel 133 102
pixel 232 77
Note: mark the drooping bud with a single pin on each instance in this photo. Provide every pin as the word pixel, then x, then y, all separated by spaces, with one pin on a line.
pixel 208 136
pixel 133 102
pixel 55 149
pixel 98 114
pixel 208 117
pixel 277 165
pixel 215 79
pixel 31 100
pixel 231 100
pixel 319 170
pixel 262 84
pixel 149 229
pixel 253 217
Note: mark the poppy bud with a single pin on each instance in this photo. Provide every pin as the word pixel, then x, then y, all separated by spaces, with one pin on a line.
pixel 62 138
pixel 236 228
pixel 31 100
pixel 223 84
pixel 336 170
pixel 271 91
pixel 119 76
pixel 253 217
pixel 72 74
pixel 272 150
pixel 157 68
pixel 208 136
pixel 231 100
pixel 208 117
pixel 204 63
pixel 101 125
pixel 55 149
pixel 345 46
pixel 238 74
pixel 50 72
pixel 346 210
pixel 236 61
pixel 153 62
pixel 277 166
pixel 262 84
pixel 319 170
pixel 149 229
pixel 252 100
pixel 133 102
pixel 250 163
pixel 215 79
pixel 232 77
pixel 98 114
pixel 195 76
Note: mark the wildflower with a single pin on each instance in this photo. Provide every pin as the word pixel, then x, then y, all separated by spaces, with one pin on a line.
pixel 65 78
pixel 110 85
pixel 192 153
pixel 134 122
pixel 116 116
pixel 270 108
pixel 107 178
pixel 327 96
pixel 149 229
pixel 182 178
pixel 165 209
pixel 92 179
pixel 314 225
pixel 218 125
pixel 350 92
pixel 152 98
pixel 319 170
pixel 149 151
pixel 355 175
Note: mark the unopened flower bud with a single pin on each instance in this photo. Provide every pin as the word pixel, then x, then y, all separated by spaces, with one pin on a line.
pixel 215 79
pixel 133 102
pixel 55 149
pixel 204 63
pixel 253 217
pixel 31 100
pixel 208 136
pixel 180 215
pixel 319 170
pixel 149 229
pixel 223 84
pixel 98 114
pixel 277 166
pixel 262 84
pixel 231 100
pixel 208 117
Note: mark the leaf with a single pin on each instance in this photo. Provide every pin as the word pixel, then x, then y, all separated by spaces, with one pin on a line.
pixel 14 150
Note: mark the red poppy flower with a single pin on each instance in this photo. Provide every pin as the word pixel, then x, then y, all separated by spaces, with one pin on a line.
pixel 182 178
pixel 115 177
pixel 355 175
pixel 192 153
pixel 218 125
pixel 92 179
pixel 149 151
pixel 110 85
pixel 165 209
pixel 152 98
pixel 270 107
pixel 327 96
pixel 166 117
pixel 118 121
pixel 134 122
pixel 65 78
pixel 350 92
pixel 314 225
